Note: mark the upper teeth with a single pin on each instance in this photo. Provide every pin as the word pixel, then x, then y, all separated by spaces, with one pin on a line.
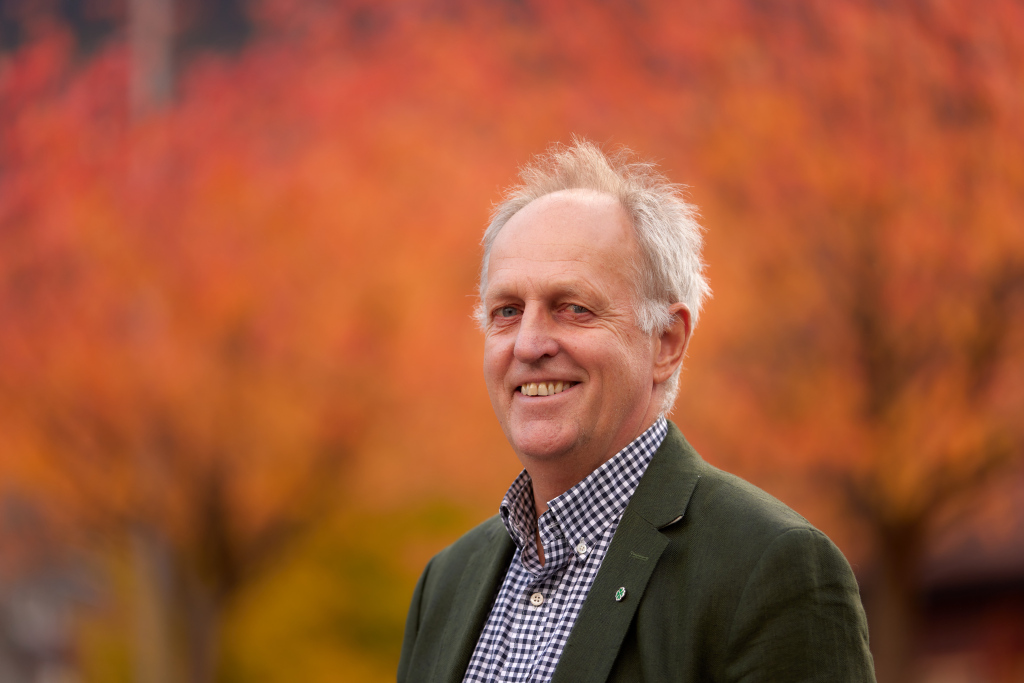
pixel 544 388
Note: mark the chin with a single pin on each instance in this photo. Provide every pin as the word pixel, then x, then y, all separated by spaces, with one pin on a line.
pixel 543 441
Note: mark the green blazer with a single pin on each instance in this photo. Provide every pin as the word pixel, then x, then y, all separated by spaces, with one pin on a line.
pixel 723 583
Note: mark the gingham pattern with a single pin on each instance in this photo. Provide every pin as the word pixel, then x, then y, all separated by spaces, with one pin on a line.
pixel 522 642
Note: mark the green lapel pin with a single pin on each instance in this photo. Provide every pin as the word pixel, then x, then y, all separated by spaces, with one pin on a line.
pixel 620 594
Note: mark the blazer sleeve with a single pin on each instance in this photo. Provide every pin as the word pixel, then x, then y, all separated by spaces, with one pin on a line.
pixel 799 617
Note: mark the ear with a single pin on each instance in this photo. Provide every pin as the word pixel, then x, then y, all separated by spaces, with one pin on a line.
pixel 670 347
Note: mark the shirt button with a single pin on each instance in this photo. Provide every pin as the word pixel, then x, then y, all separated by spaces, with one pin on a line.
pixel 537 599
pixel 581 548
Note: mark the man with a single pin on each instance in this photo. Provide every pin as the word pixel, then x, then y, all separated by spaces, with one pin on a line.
pixel 618 554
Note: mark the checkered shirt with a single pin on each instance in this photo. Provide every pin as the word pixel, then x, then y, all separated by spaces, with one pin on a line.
pixel 523 640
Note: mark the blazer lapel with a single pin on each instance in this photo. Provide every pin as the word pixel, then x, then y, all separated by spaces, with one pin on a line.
pixel 658 501
pixel 471 606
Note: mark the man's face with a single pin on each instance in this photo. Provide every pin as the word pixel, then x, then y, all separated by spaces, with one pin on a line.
pixel 559 305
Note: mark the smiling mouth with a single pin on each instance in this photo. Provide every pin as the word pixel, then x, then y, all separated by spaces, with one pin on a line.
pixel 544 388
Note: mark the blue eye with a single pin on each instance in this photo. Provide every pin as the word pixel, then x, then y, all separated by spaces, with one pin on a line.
pixel 577 309
pixel 507 311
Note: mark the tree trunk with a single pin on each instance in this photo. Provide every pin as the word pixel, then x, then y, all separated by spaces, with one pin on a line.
pixel 893 601
pixel 153 590
pixel 203 624
pixel 151 35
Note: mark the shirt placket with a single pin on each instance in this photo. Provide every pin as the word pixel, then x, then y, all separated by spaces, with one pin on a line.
pixel 547 586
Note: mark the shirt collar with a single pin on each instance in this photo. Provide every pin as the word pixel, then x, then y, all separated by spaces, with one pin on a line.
pixel 587 508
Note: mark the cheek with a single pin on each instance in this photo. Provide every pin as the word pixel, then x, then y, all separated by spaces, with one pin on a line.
pixel 495 361
pixel 490 369
pixel 636 360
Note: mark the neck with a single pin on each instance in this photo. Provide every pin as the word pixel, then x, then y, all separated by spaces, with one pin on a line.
pixel 548 485
pixel 552 477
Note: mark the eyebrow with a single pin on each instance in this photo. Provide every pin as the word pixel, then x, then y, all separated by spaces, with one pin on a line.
pixel 573 291
pixel 559 291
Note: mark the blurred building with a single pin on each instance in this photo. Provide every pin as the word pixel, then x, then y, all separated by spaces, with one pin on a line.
pixel 973 604
pixel 970 626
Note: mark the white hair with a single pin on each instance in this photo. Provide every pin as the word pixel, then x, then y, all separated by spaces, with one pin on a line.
pixel 670 269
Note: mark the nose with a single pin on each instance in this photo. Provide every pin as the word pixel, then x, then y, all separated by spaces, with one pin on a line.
pixel 536 336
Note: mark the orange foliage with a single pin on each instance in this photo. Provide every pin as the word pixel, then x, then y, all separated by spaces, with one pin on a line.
pixel 255 303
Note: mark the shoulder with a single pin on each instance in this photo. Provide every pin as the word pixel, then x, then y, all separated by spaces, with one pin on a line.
pixel 453 597
pixel 480 538
pixel 725 533
pixel 737 508
pixel 744 580
pixel 757 538
pixel 715 501
pixel 790 606
pixel 487 539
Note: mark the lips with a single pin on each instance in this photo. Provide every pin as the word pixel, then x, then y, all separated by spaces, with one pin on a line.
pixel 548 388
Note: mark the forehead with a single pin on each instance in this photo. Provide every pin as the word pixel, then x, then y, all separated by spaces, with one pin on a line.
pixel 574 240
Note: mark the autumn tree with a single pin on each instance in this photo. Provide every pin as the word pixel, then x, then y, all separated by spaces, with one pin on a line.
pixel 221 318
pixel 173 369
pixel 868 152
pixel 188 342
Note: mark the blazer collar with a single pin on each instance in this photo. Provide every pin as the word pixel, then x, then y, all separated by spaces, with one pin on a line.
pixel 659 501
pixel 665 490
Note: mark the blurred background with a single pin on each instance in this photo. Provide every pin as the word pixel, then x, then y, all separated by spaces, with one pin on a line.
pixel 240 392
